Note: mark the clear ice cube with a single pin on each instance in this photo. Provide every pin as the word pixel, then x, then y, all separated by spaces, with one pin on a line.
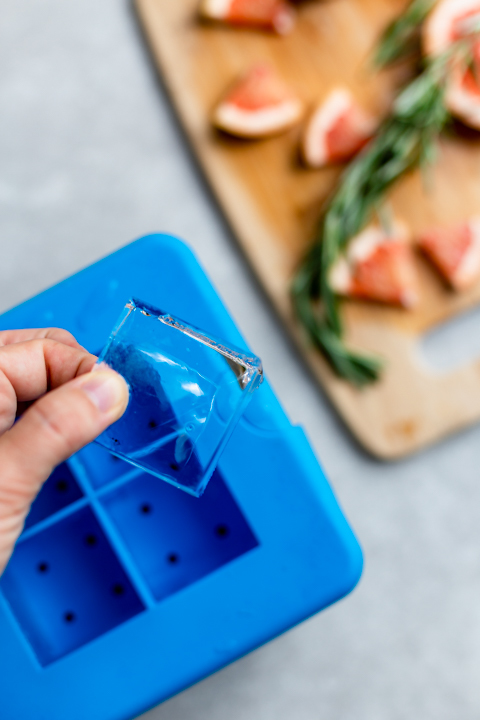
pixel 187 392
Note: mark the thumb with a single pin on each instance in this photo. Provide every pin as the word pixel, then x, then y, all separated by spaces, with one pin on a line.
pixel 52 429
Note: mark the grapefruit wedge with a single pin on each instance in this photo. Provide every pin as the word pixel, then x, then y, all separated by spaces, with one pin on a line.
pixel 450 21
pixel 276 15
pixel 260 104
pixel 336 131
pixel 455 252
pixel 378 266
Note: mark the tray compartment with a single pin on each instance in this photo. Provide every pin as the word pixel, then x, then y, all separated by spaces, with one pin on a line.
pixel 174 538
pixel 65 586
pixel 60 490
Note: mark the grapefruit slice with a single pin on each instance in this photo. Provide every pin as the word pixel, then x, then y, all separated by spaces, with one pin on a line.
pixel 452 20
pixel 378 266
pixel 260 104
pixel 276 15
pixel 455 252
pixel 337 130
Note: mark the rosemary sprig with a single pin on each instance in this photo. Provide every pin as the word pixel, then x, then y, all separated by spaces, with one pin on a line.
pixel 405 141
pixel 401 37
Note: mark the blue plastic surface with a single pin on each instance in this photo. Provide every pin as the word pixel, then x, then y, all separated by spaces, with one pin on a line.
pixel 123 590
pixel 187 393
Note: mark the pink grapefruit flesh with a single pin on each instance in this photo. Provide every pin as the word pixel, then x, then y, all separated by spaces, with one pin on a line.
pixel 336 131
pixel 455 252
pixel 452 20
pixel 260 104
pixel 378 266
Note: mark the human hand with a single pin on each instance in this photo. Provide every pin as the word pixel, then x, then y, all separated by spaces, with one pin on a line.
pixel 72 406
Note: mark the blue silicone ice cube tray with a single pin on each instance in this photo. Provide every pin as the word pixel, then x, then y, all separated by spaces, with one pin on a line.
pixel 123 590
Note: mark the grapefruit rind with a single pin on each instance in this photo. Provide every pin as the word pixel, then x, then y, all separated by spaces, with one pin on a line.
pixel 439 25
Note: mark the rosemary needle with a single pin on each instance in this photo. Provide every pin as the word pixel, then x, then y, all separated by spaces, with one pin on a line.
pixel 401 37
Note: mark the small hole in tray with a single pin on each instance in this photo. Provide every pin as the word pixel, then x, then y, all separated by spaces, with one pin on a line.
pixel 118 589
pixel 62 485
pixel 222 531
pixel 69 616
pixel 174 466
pixel 42 567
pixel 152 424
pixel 91 540
pixel 146 509
pixel 173 558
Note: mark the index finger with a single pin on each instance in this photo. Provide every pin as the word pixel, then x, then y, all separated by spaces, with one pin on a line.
pixel 11 337
pixel 30 369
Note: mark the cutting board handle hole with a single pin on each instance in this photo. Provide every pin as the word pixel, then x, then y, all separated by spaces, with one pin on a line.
pixel 453 343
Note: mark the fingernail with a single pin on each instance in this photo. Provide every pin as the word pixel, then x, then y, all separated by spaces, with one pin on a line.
pixel 106 389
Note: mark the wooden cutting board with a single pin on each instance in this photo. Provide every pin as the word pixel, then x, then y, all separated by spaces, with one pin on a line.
pixel 273 203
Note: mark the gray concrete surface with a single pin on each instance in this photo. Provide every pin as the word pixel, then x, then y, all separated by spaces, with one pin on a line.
pixel 91 157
